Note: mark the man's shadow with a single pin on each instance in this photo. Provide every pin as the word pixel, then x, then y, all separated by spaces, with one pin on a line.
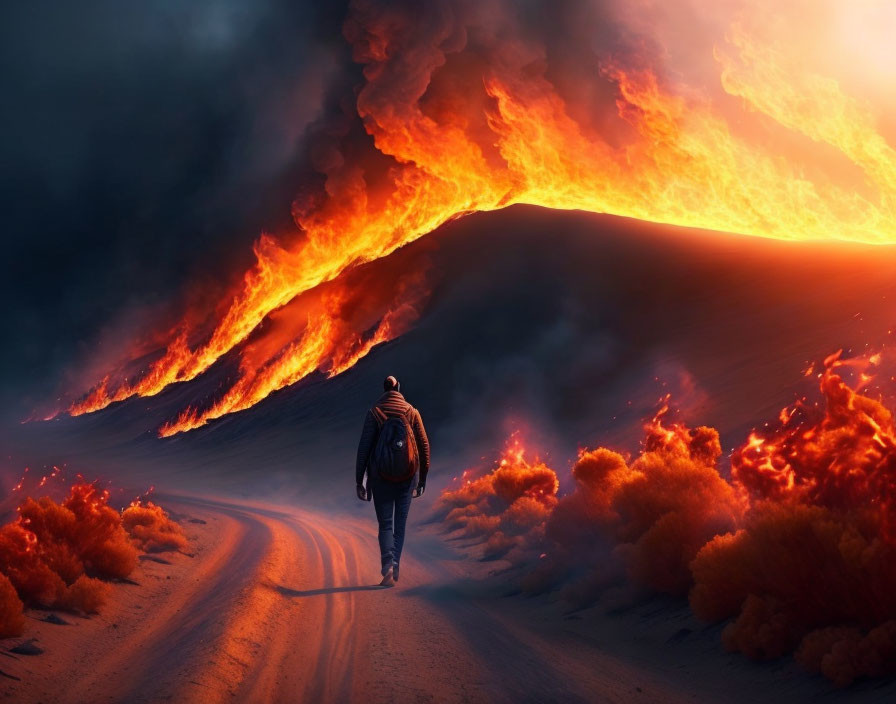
pixel 286 591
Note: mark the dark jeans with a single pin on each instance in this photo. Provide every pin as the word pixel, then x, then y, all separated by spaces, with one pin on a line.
pixel 392 503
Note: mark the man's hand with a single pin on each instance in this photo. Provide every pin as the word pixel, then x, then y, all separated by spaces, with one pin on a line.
pixel 418 492
pixel 362 492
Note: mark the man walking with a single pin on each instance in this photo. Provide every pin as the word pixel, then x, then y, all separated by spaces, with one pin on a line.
pixel 394 454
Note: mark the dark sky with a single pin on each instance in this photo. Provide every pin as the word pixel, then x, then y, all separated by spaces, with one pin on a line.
pixel 144 145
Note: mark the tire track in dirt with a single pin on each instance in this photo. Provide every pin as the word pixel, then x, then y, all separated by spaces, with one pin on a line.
pixel 282 606
pixel 148 663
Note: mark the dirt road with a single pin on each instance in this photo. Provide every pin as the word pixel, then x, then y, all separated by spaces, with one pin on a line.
pixel 280 605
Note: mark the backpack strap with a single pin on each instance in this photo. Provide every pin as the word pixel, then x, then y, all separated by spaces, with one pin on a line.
pixel 409 424
pixel 379 415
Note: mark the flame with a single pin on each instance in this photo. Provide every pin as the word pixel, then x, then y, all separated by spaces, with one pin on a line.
pixel 838 453
pixel 514 476
pixel 670 154
pixel 162 373
pixel 328 343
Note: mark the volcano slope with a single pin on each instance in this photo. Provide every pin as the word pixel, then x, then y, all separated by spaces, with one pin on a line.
pixel 565 320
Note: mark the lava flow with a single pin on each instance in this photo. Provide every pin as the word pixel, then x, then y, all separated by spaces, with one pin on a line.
pixel 467 108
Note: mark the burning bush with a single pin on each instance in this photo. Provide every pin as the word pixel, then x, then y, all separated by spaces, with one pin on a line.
pixel 840 453
pixel 798 550
pixel 12 620
pixel 648 518
pixel 34 580
pixel 48 550
pixel 82 534
pixel 792 570
pixel 506 508
pixel 673 503
pixel 844 653
pixel 151 529
pixel 56 555
pixel 86 595
pixel 814 565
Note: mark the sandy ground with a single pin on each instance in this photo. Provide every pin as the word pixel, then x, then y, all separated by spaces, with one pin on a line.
pixel 278 604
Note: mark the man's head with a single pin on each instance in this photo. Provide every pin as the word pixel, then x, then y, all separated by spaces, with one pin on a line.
pixel 391 384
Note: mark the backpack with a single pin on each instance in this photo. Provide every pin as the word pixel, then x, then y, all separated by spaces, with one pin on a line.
pixel 395 457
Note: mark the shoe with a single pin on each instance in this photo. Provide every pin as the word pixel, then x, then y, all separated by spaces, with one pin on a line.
pixel 395 573
pixel 388 580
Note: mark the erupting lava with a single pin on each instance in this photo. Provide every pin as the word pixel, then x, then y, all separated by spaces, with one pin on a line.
pixel 467 109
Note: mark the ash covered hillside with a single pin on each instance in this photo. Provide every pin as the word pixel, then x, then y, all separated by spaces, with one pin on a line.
pixel 566 325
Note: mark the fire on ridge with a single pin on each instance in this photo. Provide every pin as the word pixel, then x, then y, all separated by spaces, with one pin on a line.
pixel 471 119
